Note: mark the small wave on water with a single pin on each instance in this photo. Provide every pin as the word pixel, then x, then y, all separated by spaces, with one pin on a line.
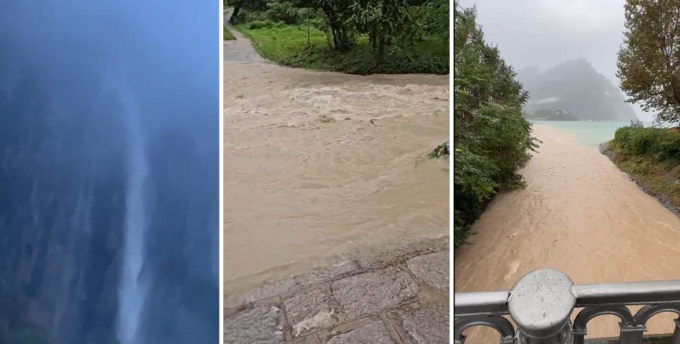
pixel 321 164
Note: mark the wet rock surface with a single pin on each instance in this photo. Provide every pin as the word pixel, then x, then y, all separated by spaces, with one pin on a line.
pixel 399 301
pixel 432 268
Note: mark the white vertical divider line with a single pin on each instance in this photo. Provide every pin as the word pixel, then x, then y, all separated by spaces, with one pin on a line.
pixel 452 281
pixel 221 128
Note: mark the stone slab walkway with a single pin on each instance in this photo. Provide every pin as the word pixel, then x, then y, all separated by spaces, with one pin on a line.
pixel 398 296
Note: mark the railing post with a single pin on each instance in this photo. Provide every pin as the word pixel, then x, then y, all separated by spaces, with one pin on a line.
pixel 631 334
pixel 676 333
pixel 541 304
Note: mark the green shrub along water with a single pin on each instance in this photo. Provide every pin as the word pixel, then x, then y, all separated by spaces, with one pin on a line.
pixel 492 139
pixel 651 156
pixel 362 37
pixel 657 143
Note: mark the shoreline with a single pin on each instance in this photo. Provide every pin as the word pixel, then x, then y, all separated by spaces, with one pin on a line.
pixel 577 208
pixel 662 198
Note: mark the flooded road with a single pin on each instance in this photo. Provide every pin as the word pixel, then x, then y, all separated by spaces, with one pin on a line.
pixel 578 214
pixel 324 164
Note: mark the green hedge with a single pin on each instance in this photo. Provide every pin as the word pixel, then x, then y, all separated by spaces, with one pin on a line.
pixel 662 144
pixel 289 45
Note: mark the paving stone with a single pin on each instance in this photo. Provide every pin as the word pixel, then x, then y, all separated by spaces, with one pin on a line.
pixel 373 291
pixel 428 325
pixel 259 325
pixel 311 339
pixel 259 293
pixel 309 311
pixel 432 268
pixel 328 273
pixel 371 333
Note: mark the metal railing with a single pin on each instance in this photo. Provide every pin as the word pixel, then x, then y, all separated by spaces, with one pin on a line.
pixel 542 302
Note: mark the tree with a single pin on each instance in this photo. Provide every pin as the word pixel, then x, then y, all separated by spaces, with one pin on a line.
pixel 492 140
pixel 649 59
pixel 238 5
pixel 383 21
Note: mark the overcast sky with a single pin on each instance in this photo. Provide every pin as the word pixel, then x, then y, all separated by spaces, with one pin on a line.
pixel 548 32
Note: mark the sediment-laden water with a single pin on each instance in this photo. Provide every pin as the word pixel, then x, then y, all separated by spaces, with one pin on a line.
pixel 579 214
pixel 323 164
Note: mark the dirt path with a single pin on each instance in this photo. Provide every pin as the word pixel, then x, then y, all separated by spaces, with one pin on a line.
pixel 240 49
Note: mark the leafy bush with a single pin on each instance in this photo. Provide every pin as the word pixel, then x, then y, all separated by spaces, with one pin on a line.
pixel 668 145
pixel 492 139
pixel 288 45
pixel 662 144
pixel 360 37
pixel 260 24
pixel 285 12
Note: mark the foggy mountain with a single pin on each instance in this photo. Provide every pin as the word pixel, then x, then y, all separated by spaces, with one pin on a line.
pixel 576 86
pixel 528 75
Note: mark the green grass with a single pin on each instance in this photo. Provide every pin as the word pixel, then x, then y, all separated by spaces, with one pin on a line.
pixel 288 46
pixel 228 36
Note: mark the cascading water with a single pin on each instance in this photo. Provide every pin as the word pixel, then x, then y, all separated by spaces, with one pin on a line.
pixel 109 182
pixel 132 290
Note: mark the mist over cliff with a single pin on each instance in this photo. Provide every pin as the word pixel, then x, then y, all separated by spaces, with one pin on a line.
pixel 109 171
pixel 576 86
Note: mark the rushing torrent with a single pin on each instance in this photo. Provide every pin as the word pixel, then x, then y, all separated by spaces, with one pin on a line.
pixel 321 164
pixel 578 214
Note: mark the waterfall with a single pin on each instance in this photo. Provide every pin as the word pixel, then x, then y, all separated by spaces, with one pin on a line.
pixel 132 289
pixel 109 171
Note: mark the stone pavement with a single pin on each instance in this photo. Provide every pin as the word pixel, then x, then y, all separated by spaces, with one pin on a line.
pixel 399 296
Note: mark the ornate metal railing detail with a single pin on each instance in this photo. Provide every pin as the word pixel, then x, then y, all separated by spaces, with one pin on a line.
pixel 542 302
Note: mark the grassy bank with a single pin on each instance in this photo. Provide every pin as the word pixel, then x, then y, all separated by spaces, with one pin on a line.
pixel 288 45
pixel 228 36
pixel 652 157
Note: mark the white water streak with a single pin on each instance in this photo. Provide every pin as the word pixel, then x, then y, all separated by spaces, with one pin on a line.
pixel 132 289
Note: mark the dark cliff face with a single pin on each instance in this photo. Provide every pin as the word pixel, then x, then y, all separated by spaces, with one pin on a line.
pixel 575 85
pixel 62 202
pixel 65 144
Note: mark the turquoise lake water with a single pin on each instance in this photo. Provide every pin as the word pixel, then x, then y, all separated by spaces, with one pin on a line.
pixel 588 133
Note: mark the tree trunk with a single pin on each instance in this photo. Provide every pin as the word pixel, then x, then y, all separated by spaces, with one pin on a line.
pixel 234 14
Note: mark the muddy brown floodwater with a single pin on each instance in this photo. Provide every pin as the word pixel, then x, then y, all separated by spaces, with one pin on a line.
pixel 578 214
pixel 322 164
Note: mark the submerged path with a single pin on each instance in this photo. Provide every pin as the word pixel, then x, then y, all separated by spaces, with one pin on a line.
pixel 578 214
pixel 325 172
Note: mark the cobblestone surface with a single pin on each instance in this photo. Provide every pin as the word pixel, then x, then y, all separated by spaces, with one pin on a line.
pixel 432 268
pixel 402 299
pixel 428 325
pixel 257 325
pixel 370 292
pixel 371 333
